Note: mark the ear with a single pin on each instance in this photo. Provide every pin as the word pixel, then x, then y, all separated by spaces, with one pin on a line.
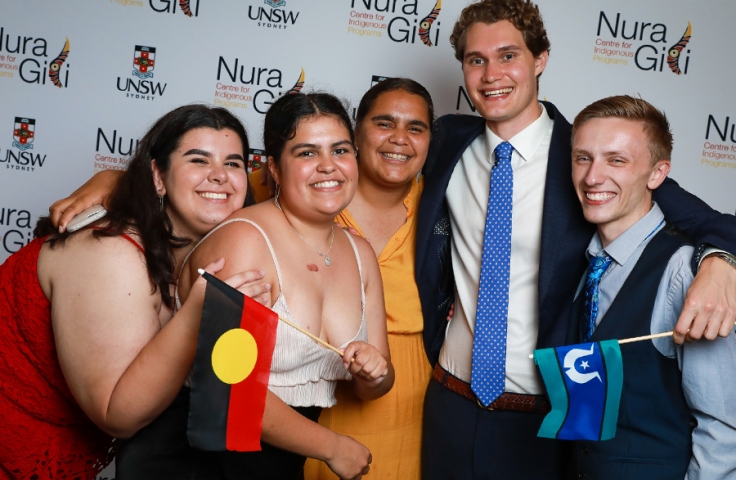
pixel 540 63
pixel 274 169
pixel 659 173
pixel 158 179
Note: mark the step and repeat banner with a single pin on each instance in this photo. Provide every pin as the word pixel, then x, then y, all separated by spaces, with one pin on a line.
pixel 80 80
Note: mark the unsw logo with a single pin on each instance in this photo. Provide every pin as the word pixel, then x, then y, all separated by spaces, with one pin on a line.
pixel 24 135
pixel 142 87
pixel 275 17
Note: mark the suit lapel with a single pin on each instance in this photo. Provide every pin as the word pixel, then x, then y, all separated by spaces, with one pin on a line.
pixel 448 144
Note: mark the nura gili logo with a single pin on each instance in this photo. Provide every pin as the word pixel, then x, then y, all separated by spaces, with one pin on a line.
pixel 142 87
pixel 719 148
pixel 242 86
pixel 24 132
pixel 400 20
pixel 621 41
pixel 256 159
pixel 673 56
pixel 190 8
pixel 15 229
pixel 143 61
pixel 426 24
pixel 26 57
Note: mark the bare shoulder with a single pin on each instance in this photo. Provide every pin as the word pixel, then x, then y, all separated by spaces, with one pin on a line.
pixel 237 240
pixel 368 259
pixel 84 258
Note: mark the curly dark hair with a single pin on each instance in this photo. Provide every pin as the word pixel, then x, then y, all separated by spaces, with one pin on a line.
pixel 523 14
pixel 134 204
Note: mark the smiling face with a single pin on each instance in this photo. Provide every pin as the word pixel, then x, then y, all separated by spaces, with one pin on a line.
pixel 501 77
pixel 393 139
pixel 613 174
pixel 317 173
pixel 206 180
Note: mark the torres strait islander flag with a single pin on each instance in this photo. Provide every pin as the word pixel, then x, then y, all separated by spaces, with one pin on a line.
pixel 584 384
pixel 229 381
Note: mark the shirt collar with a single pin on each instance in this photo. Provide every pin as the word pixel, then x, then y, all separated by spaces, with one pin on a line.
pixel 526 142
pixel 624 246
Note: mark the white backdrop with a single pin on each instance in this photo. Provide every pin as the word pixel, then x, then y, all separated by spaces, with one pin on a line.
pixel 244 53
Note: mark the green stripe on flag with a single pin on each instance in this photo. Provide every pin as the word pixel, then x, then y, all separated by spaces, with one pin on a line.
pixel 546 359
pixel 615 375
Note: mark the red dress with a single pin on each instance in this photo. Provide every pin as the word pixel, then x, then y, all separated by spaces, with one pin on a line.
pixel 43 431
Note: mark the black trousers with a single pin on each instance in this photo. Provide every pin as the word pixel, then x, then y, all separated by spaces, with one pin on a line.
pixel 162 450
pixel 461 441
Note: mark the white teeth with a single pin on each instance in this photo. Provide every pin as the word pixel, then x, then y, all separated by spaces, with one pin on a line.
pixel 598 197
pixel 500 91
pixel 330 184
pixel 396 156
pixel 214 196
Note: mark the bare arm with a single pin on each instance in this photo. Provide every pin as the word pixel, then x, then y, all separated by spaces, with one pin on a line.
pixel 95 191
pixel 287 429
pixel 371 368
pixel 121 366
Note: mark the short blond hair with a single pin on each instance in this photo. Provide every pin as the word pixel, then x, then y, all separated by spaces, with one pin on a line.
pixel 655 123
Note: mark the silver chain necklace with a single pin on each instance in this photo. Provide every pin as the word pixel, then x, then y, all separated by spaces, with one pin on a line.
pixel 326 254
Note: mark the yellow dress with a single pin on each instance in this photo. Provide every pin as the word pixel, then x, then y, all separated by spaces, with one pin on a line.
pixel 391 426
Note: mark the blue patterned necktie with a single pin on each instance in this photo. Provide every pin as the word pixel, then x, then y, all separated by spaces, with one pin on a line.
pixel 596 269
pixel 488 379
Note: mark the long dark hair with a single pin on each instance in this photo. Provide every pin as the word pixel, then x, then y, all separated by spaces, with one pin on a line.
pixel 285 114
pixel 134 204
pixel 390 84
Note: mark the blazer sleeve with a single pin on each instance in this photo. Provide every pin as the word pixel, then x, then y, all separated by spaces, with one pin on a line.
pixel 696 219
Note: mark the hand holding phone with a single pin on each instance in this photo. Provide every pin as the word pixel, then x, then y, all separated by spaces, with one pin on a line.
pixel 91 215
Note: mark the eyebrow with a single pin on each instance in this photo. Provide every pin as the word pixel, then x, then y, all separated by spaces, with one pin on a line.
pixel 505 48
pixel 391 118
pixel 317 147
pixel 205 153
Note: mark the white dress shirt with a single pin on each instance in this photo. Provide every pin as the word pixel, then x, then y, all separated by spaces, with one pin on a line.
pixel 467 198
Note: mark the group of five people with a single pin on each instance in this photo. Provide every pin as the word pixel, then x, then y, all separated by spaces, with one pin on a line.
pixel 100 326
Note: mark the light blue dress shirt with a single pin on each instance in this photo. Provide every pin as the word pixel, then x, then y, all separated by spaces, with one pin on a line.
pixel 708 367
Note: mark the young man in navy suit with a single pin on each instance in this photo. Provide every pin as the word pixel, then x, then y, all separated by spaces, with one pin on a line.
pixel 532 241
pixel 675 401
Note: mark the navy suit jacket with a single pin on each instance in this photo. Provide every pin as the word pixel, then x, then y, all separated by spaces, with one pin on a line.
pixel 565 233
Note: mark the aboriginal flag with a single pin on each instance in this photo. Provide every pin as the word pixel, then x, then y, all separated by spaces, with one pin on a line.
pixel 229 380
pixel 584 384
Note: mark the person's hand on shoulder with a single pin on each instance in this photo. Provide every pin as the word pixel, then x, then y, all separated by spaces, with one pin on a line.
pixel 95 191
pixel 710 305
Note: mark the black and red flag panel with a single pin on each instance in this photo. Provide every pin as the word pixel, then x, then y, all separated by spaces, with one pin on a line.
pixel 229 380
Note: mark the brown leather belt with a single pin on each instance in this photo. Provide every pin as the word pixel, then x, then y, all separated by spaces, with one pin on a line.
pixel 514 402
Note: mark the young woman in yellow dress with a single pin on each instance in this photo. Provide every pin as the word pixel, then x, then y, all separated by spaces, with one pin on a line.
pixel 393 125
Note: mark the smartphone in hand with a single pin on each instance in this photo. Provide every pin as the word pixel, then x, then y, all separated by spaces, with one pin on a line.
pixel 91 215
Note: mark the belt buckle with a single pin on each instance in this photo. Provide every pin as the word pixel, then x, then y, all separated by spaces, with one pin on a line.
pixel 489 407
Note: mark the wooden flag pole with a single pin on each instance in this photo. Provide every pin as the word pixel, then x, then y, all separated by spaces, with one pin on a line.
pixel 313 337
pixel 291 324
pixel 645 337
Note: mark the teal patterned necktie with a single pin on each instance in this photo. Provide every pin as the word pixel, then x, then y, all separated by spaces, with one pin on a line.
pixel 596 269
